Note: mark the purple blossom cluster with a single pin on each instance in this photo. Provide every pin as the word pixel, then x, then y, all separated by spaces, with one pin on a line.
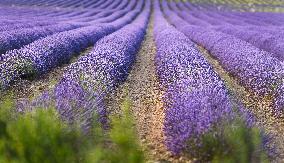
pixel 254 68
pixel 196 98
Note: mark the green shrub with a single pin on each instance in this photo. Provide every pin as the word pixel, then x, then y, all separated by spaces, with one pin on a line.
pixel 234 142
pixel 125 141
pixel 40 136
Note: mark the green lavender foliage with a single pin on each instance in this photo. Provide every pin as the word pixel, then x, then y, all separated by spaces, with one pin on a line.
pixel 40 136
pixel 233 142
pixel 125 146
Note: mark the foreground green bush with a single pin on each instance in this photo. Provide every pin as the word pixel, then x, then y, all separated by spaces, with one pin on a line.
pixel 125 147
pixel 40 136
pixel 231 142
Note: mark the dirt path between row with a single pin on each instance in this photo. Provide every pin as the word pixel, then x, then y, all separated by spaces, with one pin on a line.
pixel 142 88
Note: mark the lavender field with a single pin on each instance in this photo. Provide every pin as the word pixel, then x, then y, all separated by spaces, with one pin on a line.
pixel 141 81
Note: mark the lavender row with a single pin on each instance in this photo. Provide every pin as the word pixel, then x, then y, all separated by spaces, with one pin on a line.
pixel 85 83
pixel 262 39
pixel 58 3
pixel 213 18
pixel 263 17
pixel 17 38
pixel 35 2
pixel 109 16
pixel 9 21
pixel 255 69
pixel 106 20
pixel 44 54
pixel 238 18
pixel 30 12
pixel 25 25
pixel 90 18
pixel 196 98
pixel 69 13
pixel 71 16
pixel 51 16
pixel 268 27
pixel 218 19
pixel 115 15
pixel 245 20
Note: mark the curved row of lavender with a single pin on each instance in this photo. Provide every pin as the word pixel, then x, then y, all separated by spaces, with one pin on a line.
pixel 62 15
pixel 78 4
pixel 262 39
pixel 58 3
pixel 124 6
pixel 31 15
pixel 196 98
pixel 46 53
pixel 267 38
pixel 85 83
pixel 234 18
pixel 20 28
pixel 102 16
pixel 17 38
pixel 254 68
pixel 23 25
